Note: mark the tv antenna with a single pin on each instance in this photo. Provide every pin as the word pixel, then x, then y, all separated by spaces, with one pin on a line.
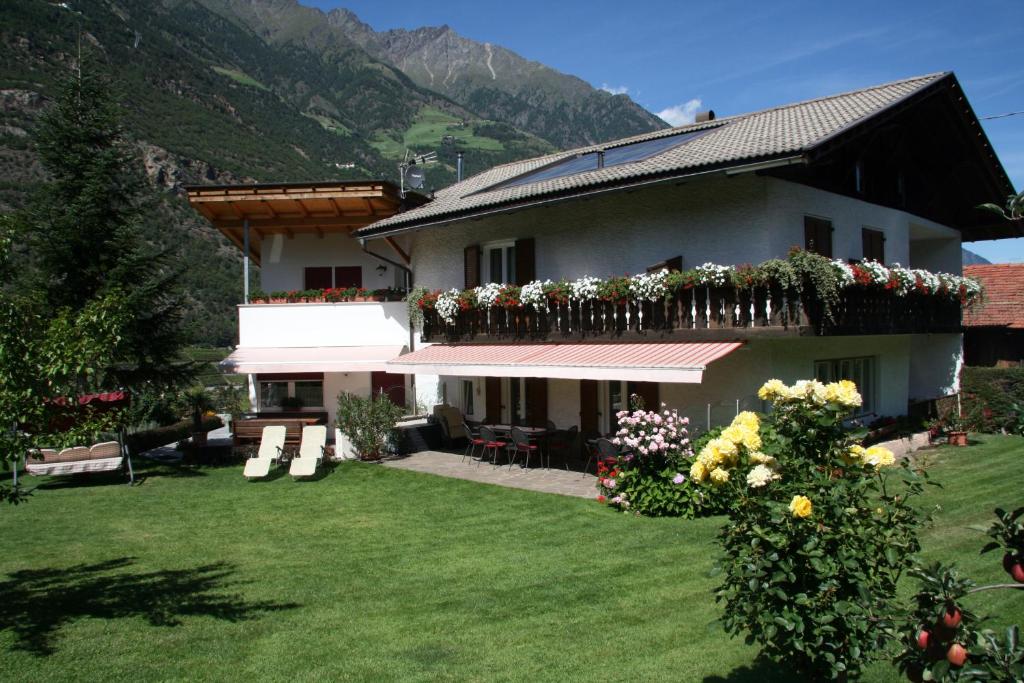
pixel 410 171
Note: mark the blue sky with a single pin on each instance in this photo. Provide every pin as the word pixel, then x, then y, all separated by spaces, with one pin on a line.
pixel 733 57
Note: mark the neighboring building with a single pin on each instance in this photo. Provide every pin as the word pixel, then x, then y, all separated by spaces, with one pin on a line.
pixel 299 350
pixel 891 173
pixel 994 332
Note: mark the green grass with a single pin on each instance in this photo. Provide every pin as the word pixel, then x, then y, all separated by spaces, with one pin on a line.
pixel 385 575
pixel 426 133
pixel 239 77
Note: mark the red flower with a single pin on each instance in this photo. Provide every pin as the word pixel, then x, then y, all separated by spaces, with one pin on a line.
pixel 600 498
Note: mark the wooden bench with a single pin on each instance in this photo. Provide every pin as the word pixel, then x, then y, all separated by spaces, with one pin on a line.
pixel 250 431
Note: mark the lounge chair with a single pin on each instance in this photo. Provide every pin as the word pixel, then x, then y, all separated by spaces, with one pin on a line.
pixel 271 447
pixel 311 451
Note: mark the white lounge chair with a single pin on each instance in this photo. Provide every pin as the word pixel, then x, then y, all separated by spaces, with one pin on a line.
pixel 271 447
pixel 311 451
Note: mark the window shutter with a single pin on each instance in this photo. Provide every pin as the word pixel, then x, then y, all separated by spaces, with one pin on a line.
pixel 874 244
pixel 526 265
pixel 471 265
pixel 674 263
pixel 536 401
pixel 348 276
pixel 318 277
pixel 818 236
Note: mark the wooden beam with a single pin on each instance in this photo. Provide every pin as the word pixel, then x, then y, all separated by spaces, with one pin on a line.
pixel 319 232
pixel 268 208
pixel 227 197
pixel 284 223
pixel 398 250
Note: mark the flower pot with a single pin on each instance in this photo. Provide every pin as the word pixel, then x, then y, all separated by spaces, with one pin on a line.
pixel 957 438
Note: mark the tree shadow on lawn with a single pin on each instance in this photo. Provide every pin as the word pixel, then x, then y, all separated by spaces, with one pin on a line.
pixel 761 671
pixel 38 603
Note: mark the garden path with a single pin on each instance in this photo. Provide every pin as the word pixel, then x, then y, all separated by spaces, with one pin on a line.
pixel 554 480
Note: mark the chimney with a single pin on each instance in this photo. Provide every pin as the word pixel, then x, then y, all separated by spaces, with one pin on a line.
pixel 458 167
pixel 705 116
pixel 600 158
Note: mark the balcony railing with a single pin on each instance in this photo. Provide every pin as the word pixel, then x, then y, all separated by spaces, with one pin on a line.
pixel 703 313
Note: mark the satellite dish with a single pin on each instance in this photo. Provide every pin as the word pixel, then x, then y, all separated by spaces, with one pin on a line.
pixel 415 177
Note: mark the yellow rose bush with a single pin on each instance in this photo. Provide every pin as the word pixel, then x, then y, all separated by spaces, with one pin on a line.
pixel 819 530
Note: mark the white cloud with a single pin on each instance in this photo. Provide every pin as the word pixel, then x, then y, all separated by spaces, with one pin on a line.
pixel 615 90
pixel 681 114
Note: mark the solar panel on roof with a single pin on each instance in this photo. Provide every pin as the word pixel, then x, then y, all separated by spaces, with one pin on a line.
pixel 614 156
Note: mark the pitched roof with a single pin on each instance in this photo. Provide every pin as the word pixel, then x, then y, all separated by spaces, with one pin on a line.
pixel 771 134
pixel 1004 296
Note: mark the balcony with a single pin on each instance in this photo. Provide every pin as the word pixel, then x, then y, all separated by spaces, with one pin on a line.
pixel 702 314
pixel 369 323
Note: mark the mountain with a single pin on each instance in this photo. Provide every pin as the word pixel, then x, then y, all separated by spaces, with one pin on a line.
pixel 225 91
pixel 969 258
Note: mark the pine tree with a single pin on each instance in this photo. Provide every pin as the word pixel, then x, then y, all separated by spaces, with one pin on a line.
pixel 81 231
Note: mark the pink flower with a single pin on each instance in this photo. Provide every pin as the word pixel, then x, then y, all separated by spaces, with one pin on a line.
pixel 678 479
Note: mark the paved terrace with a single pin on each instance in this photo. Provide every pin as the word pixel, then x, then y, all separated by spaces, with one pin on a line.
pixel 554 480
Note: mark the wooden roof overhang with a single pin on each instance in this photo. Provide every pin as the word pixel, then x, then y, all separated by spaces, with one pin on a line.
pixel 296 208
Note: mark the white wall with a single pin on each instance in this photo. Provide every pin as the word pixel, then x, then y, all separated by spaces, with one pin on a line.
pixel 935 365
pixel 283 260
pixel 728 220
pixel 328 324
pixel 337 382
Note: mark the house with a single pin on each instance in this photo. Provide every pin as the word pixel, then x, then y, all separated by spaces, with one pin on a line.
pixel 890 173
pixel 994 334
pixel 329 313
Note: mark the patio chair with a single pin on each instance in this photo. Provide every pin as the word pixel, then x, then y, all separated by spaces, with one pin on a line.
pixel 492 444
pixel 473 440
pixel 271 447
pixel 565 443
pixel 590 438
pixel 311 451
pixel 521 444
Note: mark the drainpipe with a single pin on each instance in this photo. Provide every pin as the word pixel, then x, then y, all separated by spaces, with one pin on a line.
pixel 245 260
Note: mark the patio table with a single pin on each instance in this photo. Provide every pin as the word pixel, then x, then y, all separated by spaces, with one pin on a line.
pixel 540 434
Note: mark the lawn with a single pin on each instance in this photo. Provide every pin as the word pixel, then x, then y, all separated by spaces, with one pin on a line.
pixel 378 574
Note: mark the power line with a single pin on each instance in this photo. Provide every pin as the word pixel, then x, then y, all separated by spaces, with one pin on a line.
pixel 1001 116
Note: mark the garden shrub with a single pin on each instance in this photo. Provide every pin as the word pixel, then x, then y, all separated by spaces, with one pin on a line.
pixel 820 530
pixel 650 479
pixel 369 423
pixel 992 398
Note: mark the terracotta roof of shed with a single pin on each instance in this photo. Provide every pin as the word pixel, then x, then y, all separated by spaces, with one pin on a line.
pixel 1004 296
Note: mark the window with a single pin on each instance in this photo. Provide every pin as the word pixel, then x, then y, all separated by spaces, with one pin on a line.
pixel 325 277
pixel 613 156
pixel 517 396
pixel 317 278
pixel 348 276
pixel 499 263
pixel 273 393
pixel 467 397
pixel 874 244
pixel 818 236
pixel 860 371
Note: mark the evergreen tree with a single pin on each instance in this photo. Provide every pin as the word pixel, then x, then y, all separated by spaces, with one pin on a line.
pixel 82 238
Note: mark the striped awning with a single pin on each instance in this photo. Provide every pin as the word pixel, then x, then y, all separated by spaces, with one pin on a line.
pixel 679 362
pixel 252 360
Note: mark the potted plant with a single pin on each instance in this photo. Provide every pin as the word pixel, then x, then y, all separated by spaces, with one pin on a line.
pixel 956 431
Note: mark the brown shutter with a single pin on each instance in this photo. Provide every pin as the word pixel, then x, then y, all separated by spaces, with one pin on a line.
pixel 348 276
pixel 674 263
pixel 589 414
pixel 818 236
pixel 492 399
pixel 874 244
pixel 536 401
pixel 648 391
pixel 471 265
pixel 318 277
pixel 526 264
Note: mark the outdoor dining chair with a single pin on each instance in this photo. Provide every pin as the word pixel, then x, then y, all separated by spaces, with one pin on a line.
pixel 590 438
pixel 565 443
pixel 473 440
pixel 492 444
pixel 521 444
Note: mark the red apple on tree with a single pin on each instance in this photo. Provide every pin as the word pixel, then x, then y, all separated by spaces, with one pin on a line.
pixel 923 636
pixel 951 617
pixel 956 655
pixel 1017 572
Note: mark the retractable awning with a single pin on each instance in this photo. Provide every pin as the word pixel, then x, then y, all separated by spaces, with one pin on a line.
pixel 679 362
pixel 251 360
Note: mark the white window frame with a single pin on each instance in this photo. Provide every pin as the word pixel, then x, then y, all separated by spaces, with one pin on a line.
pixel 869 395
pixel 485 260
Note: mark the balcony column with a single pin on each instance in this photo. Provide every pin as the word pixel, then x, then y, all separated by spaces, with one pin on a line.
pixel 245 260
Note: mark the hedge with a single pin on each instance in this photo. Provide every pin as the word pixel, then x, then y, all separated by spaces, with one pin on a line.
pixel 989 395
pixel 140 442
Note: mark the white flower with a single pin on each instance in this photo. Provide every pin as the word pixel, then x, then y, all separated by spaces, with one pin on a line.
pixel 649 286
pixel 447 305
pixel 760 476
pixel 487 294
pixel 584 288
pixel 879 273
pixel 533 293
pixel 843 271
pixel 712 274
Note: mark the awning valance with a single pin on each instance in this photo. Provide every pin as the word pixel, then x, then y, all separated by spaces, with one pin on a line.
pixel 250 360
pixel 679 362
